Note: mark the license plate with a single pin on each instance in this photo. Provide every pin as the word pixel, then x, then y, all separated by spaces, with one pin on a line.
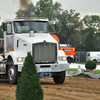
pixel 45 69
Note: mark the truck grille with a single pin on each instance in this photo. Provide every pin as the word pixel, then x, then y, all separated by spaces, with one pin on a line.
pixel 44 53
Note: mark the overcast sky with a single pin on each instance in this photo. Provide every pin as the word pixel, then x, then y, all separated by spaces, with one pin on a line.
pixel 84 7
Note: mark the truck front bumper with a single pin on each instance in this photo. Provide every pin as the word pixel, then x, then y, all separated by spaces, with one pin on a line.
pixel 44 68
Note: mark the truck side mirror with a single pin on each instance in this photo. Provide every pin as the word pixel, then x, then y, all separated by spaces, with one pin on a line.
pixel 57 27
pixel 4 27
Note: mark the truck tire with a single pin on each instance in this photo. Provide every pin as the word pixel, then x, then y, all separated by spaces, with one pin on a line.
pixel 12 73
pixel 69 60
pixel 95 60
pixel 59 79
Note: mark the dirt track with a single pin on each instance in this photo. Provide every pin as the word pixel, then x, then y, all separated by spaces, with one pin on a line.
pixel 74 88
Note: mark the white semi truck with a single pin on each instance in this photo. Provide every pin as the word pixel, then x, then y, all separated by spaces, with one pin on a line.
pixel 22 35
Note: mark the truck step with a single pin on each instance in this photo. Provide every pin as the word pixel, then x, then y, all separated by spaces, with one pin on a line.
pixel 4 61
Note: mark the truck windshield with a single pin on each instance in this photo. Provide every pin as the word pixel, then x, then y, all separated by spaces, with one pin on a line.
pixel 26 26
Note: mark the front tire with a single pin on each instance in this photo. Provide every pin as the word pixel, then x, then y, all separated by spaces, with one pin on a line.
pixel 59 79
pixel 12 73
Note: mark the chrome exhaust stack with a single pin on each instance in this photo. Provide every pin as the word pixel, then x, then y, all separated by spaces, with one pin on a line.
pixel 31 33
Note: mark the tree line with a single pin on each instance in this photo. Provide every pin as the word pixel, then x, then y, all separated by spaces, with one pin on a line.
pixel 83 34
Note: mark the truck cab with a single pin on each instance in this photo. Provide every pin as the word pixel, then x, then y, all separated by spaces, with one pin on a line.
pixel 22 35
pixel 69 52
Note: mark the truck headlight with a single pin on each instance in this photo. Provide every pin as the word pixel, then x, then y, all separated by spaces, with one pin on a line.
pixel 20 59
pixel 62 58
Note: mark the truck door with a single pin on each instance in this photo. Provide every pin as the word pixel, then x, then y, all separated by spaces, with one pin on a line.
pixel 9 37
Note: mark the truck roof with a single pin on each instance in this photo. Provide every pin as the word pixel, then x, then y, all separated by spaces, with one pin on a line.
pixel 27 19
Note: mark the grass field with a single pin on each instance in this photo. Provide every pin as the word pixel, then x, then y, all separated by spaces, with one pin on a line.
pixel 85 63
pixel 95 71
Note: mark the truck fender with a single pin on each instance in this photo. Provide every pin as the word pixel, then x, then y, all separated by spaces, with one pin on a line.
pixel 61 53
pixel 14 55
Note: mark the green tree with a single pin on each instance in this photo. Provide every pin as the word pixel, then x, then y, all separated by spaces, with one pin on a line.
pixel 70 28
pixel 29 87
pixel 91 29
pixel 46 8
pixel 90 41
pixel 26 13
pixel 92 21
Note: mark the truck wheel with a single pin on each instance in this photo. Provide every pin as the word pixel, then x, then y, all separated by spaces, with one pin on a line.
pixel 95 60
pixel 59 79
pixel 69 60
pixel 12 73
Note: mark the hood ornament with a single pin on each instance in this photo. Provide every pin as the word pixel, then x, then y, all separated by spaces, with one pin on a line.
pixel 44 42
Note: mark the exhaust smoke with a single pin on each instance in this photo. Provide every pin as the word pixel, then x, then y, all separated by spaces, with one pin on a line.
pixel 24 4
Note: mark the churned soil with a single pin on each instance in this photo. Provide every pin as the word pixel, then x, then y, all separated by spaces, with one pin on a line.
pixel 74 88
